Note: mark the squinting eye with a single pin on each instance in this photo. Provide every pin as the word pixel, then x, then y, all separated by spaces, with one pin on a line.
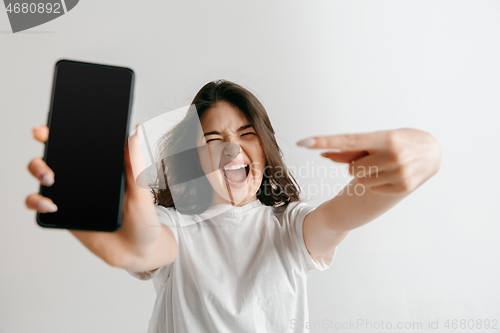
pixel 248 133
pixel 212 140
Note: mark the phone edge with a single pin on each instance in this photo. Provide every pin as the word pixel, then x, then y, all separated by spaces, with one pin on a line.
pixel 118 224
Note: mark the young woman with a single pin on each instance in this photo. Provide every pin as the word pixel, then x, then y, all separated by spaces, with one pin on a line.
pixel 230 251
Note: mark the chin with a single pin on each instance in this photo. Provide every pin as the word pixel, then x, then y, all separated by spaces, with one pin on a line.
pixel 238 192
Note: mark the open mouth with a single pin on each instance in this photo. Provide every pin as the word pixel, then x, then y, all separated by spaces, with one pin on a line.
pixel 236 174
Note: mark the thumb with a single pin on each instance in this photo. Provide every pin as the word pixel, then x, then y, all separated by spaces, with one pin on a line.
pixel 134 164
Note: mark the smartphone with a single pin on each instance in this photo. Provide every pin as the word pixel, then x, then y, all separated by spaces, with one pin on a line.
pixel 88 125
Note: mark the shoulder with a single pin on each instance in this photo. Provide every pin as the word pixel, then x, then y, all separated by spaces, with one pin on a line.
pixel 292 207
pixel 168 215
pixel 165 211
pixel 293 210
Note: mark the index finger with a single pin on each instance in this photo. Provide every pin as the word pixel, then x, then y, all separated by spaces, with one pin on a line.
pixel 41 133
pixel 350 142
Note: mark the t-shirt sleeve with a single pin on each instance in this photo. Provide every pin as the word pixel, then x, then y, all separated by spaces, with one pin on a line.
pixel 169 217
pixel 294 216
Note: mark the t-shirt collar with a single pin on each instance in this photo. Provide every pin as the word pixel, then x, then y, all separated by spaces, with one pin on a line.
pixel 226 210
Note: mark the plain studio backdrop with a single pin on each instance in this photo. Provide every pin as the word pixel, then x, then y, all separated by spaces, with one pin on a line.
pixel 319 67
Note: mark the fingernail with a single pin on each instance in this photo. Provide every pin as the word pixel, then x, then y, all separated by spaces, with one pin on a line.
pixel 47 179
pixel 47 206
pixel 307 142
pixel 323 154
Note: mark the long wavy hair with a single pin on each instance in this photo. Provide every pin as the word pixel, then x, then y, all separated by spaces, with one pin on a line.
pixel 278 187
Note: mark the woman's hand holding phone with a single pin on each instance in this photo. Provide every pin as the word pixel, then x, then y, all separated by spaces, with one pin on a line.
pixel 142 243
pixel 43 173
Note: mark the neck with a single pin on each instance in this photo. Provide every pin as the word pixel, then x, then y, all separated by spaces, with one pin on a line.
pixel 217 200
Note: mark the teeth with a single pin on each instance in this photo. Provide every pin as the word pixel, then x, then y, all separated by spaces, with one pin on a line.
pixel 235 167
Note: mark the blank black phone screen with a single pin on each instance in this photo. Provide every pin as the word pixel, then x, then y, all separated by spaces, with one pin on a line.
pixel 88 129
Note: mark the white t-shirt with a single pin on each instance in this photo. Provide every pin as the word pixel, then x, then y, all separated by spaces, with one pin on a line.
pixel 242 270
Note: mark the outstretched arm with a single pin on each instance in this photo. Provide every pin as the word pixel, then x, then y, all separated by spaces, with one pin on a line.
pixel 386 165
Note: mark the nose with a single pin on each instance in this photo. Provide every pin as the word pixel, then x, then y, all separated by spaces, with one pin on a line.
pixel 231 150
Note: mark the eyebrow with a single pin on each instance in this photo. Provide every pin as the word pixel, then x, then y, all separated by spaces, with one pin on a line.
pixel 239 130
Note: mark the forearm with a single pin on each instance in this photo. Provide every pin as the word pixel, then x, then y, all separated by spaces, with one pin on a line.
pixel 161 252
pixel 109 246
pixel 356 206
pixel 132 242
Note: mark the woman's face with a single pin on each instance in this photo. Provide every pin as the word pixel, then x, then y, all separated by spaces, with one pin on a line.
pixel 231 154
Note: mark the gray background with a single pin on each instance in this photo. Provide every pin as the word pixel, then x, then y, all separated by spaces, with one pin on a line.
pixel 319 67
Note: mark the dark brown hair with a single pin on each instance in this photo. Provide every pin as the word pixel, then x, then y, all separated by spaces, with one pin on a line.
pixel 278 187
